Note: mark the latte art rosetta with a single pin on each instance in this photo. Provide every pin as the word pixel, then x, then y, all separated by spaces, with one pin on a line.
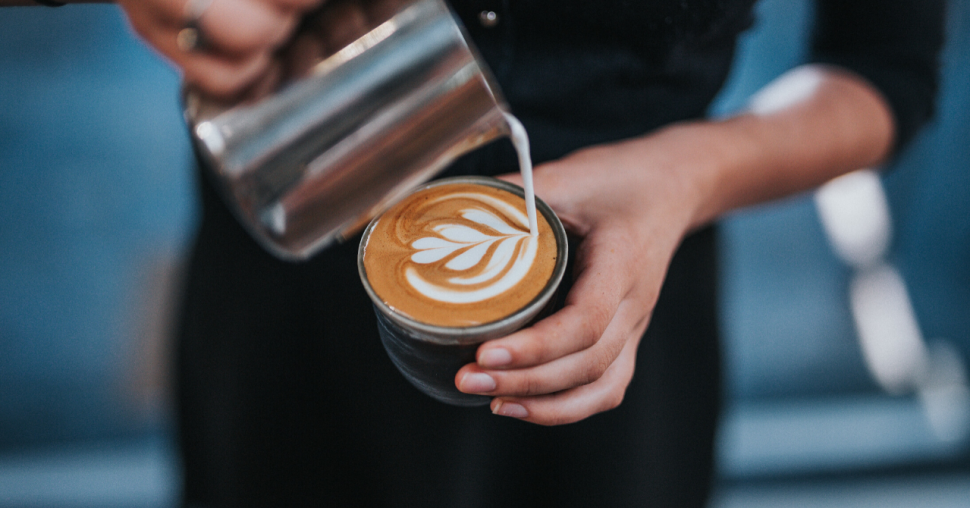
pixel 488 250
pixel 459 255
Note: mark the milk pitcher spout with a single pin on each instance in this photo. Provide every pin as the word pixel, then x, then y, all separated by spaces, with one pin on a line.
pixel 343 137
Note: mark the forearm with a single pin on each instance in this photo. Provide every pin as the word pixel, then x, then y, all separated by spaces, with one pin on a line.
pixel 829 123
pixel 630 204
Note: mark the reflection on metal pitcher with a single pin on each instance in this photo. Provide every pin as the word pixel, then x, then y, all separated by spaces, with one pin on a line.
pixel 374 99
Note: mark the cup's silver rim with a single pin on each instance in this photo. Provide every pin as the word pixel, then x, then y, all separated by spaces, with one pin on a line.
pixel 448 335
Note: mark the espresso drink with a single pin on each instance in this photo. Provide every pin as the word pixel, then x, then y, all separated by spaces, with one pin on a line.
pixel 459 262
pixel 459 255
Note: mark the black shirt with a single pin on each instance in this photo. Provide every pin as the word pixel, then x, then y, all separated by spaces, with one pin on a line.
pixel 579 73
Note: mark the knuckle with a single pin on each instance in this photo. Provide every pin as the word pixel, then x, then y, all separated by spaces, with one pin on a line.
pixel 262 37
pixel 589 334
pixel 594 368
pixel 591 328
pixel 536 344
pixel 278 35
pixel 249 30
pixel 546 341
pixel 532 386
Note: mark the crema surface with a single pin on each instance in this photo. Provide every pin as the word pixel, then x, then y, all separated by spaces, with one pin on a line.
pixel 459 255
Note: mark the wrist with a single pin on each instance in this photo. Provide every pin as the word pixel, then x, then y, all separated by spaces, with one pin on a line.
pixel 835 123
pixel 719 151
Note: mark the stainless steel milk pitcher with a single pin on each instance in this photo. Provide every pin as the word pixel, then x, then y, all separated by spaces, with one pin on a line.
pixel 369 120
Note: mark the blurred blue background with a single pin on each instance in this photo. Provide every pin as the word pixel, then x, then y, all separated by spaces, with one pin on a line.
pixel 98 204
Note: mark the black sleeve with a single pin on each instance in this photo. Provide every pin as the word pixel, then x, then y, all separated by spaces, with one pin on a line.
pixel 894 44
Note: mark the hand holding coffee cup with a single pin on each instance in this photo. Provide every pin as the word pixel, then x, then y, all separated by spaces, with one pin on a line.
pixel 453 265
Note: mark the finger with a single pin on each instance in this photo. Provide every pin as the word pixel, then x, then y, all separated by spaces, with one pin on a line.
pixel 602 283
pixel 296 5
pixel 230 26
pixel 578 403
pixel 213 74
pixel 240 27
pixel 265 84
pixel 553 185
pixel 225 78
pixel 574 370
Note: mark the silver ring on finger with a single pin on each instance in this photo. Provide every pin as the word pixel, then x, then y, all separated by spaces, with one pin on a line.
pixel 191 37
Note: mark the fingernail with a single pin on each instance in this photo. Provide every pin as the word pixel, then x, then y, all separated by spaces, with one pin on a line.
pixel 503 408
pixel 477 383
pixel 492 358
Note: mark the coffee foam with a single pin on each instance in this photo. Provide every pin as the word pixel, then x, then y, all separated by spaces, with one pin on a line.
pixel 459 255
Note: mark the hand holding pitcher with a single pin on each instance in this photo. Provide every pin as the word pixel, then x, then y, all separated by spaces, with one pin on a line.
pixel 223 47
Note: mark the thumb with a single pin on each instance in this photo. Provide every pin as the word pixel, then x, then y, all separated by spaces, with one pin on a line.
pixel 554 190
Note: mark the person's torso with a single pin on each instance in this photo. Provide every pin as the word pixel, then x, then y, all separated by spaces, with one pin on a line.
pixel 580 72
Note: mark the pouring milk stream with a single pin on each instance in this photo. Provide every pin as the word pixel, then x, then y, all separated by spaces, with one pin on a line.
pixel 341 140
